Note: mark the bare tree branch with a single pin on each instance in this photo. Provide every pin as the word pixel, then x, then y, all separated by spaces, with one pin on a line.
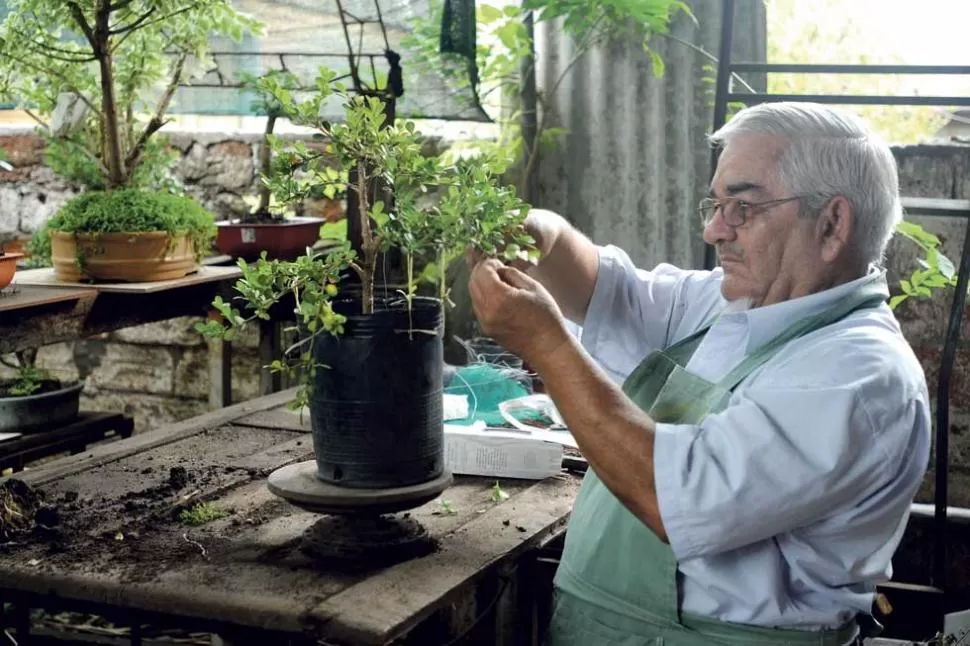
pixel 156 122
pixel 33 116
pixel 133 26
pixel 82 22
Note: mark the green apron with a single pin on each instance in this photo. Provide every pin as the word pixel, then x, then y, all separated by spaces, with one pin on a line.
pixel 617 582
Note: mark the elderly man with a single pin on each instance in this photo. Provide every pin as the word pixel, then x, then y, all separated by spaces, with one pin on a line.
pixel 752 477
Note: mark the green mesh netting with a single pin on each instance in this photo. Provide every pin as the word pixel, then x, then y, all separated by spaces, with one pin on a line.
pixel 301 35
pixel 458 28
pixel 486 386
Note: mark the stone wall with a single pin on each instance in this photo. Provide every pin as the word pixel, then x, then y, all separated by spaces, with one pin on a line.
pixel 940 171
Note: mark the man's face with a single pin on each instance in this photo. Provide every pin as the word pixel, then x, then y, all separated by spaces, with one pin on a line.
pixel 773 252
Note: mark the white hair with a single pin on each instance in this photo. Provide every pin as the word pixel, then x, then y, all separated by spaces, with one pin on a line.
pixel 829 153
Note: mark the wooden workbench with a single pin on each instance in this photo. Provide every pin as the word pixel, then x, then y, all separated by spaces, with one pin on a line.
pixel 126 553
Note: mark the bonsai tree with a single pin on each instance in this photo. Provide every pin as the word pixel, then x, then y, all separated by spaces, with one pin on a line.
pixel 28 378
pixel 267 104
pixel 369 354
pixel 87 70
pixel 430 209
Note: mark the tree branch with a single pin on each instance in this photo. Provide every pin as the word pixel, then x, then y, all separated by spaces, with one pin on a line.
pixel 709 56
pixel 77 145
pixel 133 26
pixel 33 116
pixel 65 59
pixel 25 39
pixel 157 121
pixel 56 74
pixel 82 22
pixel 121 4
pixel 157 20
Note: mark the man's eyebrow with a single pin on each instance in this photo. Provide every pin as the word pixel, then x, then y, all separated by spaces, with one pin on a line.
pixel 739 187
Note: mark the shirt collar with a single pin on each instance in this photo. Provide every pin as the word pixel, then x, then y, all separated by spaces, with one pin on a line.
pixel 765 323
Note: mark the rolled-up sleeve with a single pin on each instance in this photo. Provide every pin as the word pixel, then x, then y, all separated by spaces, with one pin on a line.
pixel 631 310
pixel 776 459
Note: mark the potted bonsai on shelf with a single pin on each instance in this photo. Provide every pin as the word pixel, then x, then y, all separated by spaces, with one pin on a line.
pixel 268 226
pixel 88 73
pixel 92 236
pixel 369 354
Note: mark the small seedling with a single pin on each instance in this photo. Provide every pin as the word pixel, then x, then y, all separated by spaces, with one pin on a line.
pixel 498 494
pixel 201 514
pixel 446 509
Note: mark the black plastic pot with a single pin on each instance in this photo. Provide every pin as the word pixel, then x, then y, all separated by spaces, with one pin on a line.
pixel 376 410
pixel 44 411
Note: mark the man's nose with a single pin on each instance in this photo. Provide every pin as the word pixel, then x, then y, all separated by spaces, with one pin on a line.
pixel 717 229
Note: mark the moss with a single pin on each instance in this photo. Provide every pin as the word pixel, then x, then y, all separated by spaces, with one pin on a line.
pixel 136 211
pixel 201 514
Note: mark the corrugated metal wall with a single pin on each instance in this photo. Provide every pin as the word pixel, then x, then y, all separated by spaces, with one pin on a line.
pixel 634 161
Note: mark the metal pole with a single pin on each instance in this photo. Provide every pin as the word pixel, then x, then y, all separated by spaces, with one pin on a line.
pixel 720 95
pixel 530 106
pixel 943 416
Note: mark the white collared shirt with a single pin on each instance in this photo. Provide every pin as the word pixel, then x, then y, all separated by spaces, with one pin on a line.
pixel 784 509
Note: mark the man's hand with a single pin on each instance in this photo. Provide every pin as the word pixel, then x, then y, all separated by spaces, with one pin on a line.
pixel 515 310
pixel 543 226
pixel 568 262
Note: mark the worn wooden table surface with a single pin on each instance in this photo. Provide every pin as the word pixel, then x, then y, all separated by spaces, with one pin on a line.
pixel 126 550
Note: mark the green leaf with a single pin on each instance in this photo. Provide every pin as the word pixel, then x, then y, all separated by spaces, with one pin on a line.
pixel 488 14
pixel 498 494
pixel 658 63
pixel 946 266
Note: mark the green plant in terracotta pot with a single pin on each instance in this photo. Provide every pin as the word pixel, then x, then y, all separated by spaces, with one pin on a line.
pixel 99 78
pixel 129 235
pixel 369 352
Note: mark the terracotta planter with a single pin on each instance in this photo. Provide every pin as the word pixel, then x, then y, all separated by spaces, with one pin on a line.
pixel 280 240
pixel 122 257
pixel 8 267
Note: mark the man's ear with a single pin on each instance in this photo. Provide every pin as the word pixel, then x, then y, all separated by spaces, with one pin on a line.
pixel 834 228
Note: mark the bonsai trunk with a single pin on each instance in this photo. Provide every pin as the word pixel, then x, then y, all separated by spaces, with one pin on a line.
pixel 368 243
pixel 265 165
pixel 114 157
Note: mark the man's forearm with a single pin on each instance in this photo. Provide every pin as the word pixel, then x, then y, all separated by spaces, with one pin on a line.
pixel 615 436
pixel 569 264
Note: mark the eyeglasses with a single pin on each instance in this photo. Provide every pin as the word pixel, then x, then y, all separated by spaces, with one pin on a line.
pixel 735 211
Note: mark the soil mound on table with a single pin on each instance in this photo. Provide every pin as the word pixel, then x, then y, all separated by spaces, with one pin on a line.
pixel 19 504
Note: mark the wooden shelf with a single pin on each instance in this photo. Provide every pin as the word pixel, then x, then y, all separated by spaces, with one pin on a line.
pixel 206 274
pixel 18 297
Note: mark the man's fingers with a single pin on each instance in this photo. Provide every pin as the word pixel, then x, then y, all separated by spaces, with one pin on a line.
pixel 473 256
pixel 515 277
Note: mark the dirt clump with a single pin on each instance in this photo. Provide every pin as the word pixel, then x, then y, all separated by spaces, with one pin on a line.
pixel 19 504
pixel 178 477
